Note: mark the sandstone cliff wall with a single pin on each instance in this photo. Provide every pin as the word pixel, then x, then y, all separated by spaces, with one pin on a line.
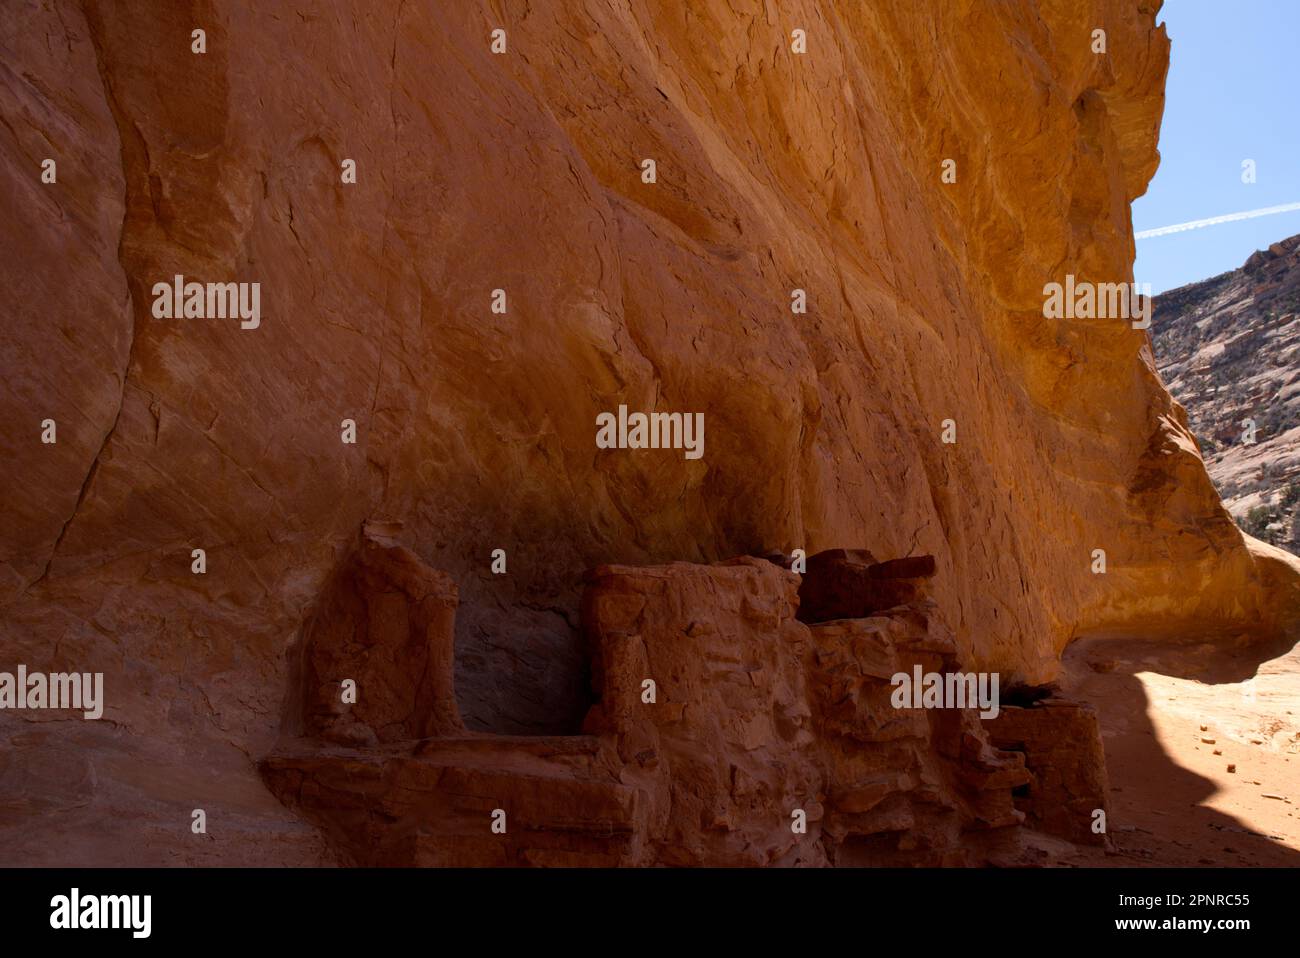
pixel 521 172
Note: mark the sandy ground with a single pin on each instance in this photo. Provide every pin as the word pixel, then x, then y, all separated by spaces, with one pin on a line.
pixel 1176 716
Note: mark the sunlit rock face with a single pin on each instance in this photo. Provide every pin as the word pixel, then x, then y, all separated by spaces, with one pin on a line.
pixel 475 414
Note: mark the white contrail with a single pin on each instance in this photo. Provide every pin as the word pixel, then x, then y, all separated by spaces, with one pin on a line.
pixel 1216 220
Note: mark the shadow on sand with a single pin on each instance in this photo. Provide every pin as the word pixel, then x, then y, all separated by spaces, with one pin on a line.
pixel 1163 770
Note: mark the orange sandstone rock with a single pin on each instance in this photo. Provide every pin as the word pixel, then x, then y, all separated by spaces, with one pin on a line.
pixel 475 428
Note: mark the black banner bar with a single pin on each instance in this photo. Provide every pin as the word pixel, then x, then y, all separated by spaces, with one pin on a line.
pixel 439 908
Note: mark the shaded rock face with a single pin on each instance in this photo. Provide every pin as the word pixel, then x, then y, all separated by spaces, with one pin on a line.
pixel 1227 349
pixel 386 625
pixel 849 584
pixel 522 172
pixel 1061 742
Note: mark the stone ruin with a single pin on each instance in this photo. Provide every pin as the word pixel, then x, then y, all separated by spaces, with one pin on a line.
pixel 742 716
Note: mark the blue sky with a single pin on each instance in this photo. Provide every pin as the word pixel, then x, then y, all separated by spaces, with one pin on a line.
pixel 1231 96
